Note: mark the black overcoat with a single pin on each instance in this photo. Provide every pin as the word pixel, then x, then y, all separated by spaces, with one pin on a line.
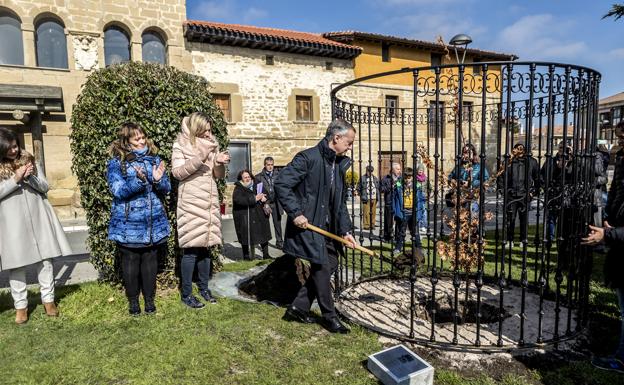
pixel 614 238
pixel 303 188
pixel 250 222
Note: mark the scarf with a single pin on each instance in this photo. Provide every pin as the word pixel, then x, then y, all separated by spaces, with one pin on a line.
pixel 421 178
pixel 142 151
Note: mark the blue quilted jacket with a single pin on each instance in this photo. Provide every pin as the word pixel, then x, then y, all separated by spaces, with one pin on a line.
pixel 138 217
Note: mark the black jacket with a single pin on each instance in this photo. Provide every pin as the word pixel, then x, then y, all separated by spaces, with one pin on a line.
pixel 614 237
pixel 387 187
pixel 555 191
pixel 268 183
pixel 303 188
pixel 615 200
pixel 250 222
pixel 516 184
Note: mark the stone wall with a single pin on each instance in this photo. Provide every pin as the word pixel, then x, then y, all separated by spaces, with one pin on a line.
pixel 263 96
pixel 84 22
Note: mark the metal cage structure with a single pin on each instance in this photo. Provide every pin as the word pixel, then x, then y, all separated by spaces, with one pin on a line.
pixel 462 282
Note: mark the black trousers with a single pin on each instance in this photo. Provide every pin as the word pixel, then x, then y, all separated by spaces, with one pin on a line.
pixel 264 247
pixel 388 223
pixel 139 267
pixel 517 207
pixel 277 223
pixel 318 285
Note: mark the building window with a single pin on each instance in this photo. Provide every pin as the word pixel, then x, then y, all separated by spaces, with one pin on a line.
pixel 392 106
pixel 476 69
pixel 303 108
pixel 240 159
pixel 116 46
pixel 154 50
pixel 617 116
pixel 269 60
pixel 329 66
pixel 385 52
pixel 12 47
pixel 224 104
pixel 436 120
pixel 51 44
pixel 436 59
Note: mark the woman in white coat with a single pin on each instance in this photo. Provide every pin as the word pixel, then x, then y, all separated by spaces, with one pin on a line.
pixel 30 232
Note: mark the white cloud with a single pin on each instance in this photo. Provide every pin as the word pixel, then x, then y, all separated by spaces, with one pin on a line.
pixel 213 10
pixel 618 53
pixel 254 14
pixel 428 26
pixel 540 37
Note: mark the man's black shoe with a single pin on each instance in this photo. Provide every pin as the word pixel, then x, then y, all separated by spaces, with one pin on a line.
pixel 294 314
pixel 279 245
pixel 333 325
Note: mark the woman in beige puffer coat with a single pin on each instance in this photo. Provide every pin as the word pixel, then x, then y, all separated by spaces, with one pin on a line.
pixel 197 163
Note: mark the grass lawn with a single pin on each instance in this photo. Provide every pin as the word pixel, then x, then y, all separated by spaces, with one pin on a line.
pixel 96 342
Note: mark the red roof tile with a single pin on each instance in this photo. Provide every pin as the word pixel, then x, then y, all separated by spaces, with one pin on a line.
pixel 272 32
pixel 349 36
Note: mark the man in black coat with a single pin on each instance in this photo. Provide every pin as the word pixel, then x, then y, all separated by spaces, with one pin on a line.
pixel 522 176
pixel 311 189
pixel 267 177
pixel 613 235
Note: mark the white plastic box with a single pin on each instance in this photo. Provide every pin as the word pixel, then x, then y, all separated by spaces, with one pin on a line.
pixel 400 366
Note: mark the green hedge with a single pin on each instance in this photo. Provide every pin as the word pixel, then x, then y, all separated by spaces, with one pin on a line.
pixel 154 96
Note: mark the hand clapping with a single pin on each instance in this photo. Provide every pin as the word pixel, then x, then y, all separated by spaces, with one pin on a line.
pixel 158 172
pixel 23 172
pixel 223 157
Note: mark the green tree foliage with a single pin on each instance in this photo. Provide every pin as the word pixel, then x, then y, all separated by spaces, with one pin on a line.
pixel 616 11
pixel 155 97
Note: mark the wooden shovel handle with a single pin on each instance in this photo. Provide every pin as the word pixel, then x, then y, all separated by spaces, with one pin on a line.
pixel 339 239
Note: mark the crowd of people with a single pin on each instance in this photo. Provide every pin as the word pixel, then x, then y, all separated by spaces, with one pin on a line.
pixel 311 189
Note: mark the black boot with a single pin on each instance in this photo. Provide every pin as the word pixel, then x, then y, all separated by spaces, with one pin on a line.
pixel 133 306
pixel 150 306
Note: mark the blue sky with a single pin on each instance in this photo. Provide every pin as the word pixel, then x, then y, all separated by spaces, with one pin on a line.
pixel 567 31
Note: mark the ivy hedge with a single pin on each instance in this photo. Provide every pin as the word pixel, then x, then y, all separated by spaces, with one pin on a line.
pixel 155 97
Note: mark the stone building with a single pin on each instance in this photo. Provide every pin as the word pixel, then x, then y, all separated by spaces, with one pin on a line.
pixel 58 44
pixel 272 85
pixel 611 113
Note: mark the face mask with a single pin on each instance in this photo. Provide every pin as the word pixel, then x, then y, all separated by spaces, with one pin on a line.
pixel 142 151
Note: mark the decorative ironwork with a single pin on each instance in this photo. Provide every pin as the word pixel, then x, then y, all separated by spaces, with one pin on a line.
pixel 475 286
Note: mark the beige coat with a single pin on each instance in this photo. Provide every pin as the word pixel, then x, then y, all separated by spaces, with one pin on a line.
pixel 29 230
pixel 199 217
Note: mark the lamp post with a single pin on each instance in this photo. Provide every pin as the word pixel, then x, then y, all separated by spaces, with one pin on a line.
pixel 459 40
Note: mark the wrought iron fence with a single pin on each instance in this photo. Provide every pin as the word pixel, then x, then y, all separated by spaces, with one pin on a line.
pixel 469 284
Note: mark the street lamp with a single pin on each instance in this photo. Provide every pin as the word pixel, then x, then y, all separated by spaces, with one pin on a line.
pixel 459 40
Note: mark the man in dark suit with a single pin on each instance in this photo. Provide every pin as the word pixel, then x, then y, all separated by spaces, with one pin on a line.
pixel 267 177
pixel 311 188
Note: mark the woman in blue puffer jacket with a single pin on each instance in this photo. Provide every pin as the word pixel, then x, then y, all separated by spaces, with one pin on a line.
pixel 138 224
